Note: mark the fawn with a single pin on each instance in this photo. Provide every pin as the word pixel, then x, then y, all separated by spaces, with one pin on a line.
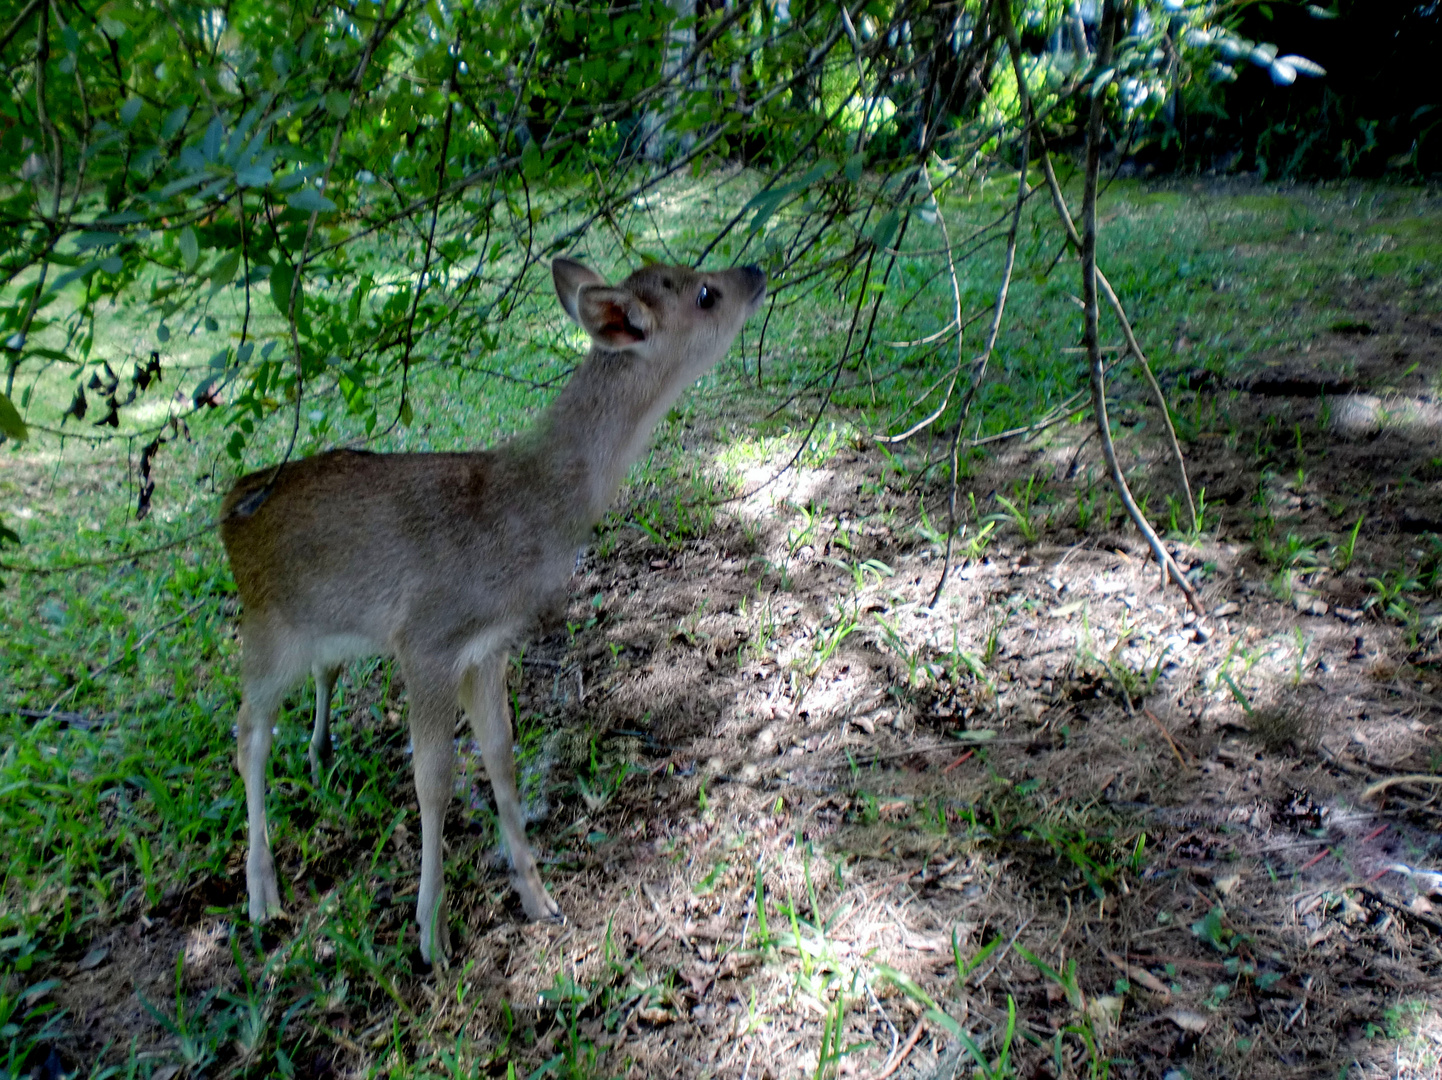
pixel 445 560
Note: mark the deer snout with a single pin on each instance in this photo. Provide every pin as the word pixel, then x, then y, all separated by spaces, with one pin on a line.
pixel 755 281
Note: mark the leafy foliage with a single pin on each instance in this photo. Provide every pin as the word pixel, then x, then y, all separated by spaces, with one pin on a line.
pixel 346 191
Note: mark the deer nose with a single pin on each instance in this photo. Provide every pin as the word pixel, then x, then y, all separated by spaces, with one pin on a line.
pixel 756 281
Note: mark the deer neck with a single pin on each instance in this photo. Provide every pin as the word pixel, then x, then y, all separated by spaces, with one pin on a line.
pixel 596 428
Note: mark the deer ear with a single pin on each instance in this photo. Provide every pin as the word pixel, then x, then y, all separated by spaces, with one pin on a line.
pixel 615 318
pixel 569 276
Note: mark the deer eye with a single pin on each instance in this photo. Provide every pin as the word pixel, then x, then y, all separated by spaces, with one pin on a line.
pixel 707 297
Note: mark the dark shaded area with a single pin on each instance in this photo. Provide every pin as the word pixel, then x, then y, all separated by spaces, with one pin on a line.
pixel 1376 111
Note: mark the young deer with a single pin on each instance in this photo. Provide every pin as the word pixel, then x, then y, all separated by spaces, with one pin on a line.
pixel 444 560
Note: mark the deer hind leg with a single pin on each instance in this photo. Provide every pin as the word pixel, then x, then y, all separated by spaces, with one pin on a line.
pixel 322 756
pixel 264 688
pixel 483 695
pixel 433 726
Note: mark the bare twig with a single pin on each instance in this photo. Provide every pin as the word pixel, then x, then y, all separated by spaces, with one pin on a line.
pixel 896 1060
pixel 1392 781
pixel 1092 335
pixel 1133 345
pixel 410 336
pixel 979 366
pixel 87 564
pixel 14 28
pixel 956 319
pixel 1166 735
pixel 1064 214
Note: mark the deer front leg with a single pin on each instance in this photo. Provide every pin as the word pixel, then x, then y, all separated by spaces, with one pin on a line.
pixel 322 756
pixel 433 723
pixel 253 730
pixel 483 694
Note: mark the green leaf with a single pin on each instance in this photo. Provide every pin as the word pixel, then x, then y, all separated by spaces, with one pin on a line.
pixel 203 388
pixel 531 163
pixel 214 133
pixel 224 271
pixel 130 110
pixel 280 281
pixel 406 414
pixel 175 187
pixel 853 167
pixel 10 422
pixel 51 354
pixel 885 230
pixel 819 171
pixel 309 199
pixel 94 239
pixel 1100 82
pixel 337 104
pixel 253 176
pixel 174 121
pixel 766 204
pixel 189 247
pixel 906 984
pixel 941 1020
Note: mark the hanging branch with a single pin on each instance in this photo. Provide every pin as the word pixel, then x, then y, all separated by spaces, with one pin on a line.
pixel 956 320
pixel 1074 241
pixel 981 362
pixel 1133 345
pixel 1105 36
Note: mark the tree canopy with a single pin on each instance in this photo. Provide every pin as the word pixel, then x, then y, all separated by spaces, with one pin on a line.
pixel 357 188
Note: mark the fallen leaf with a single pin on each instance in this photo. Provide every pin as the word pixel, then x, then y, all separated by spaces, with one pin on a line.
pixel 94 958
pixel 1187 1020
pixel 1139 975
pixel 1227 884
pixel 1105 1012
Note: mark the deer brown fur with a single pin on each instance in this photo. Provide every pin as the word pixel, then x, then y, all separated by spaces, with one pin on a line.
pixel 444 560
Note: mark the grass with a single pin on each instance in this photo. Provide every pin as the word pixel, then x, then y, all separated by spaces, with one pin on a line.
pixel 122 808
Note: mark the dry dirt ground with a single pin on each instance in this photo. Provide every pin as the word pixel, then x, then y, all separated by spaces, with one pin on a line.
pixel 1057 758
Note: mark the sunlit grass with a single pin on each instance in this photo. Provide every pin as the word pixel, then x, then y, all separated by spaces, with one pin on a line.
pixel 124 802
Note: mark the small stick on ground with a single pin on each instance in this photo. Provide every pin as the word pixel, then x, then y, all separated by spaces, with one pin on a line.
pixel 957 762
pixel 906 1048
pixel 1168 736
pixel 1392 781
pixel 1301 1007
